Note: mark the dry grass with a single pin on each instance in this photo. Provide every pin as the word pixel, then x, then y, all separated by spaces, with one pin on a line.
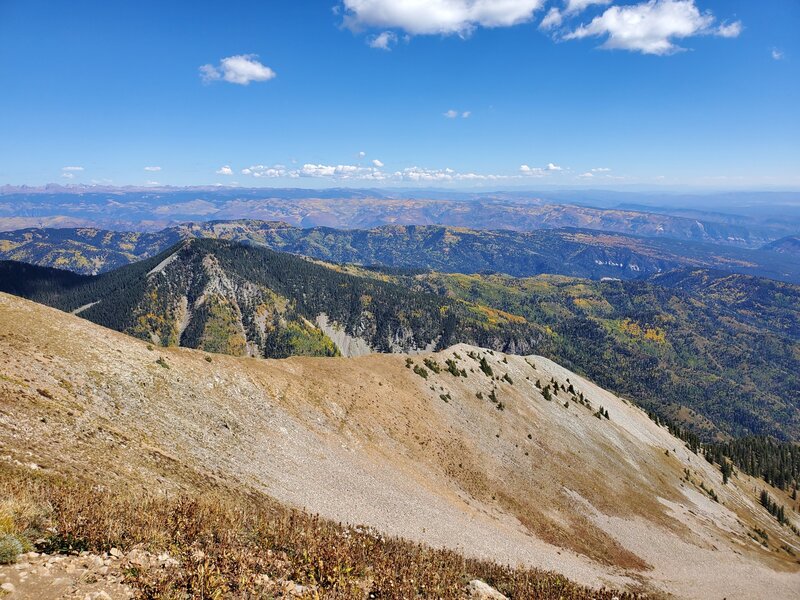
pixel 227 543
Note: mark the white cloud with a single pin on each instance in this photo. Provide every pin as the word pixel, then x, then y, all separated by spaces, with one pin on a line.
pixel 272 172
pixel 226 170
pixel 152 169
pixel 454 114
pixel 362 154
pixel 68 175
pixel 240 69
pixel 383 41
pixel 466 114
pixel 72 169
pixel 426 17
pixel 650 27
pixel 578 6
pixel 152 183
pixel 586 175
pixel 528 171
pixel 551 20
pixel 600 170
pixel 419 174
pixel 451 114
pixel 729 30
pixel 378 163
pixel 777 54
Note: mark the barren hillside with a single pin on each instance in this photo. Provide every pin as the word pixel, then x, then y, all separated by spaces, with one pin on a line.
pixel 463 452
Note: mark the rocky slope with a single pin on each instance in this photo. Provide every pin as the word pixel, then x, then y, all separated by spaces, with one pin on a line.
pixel 458 449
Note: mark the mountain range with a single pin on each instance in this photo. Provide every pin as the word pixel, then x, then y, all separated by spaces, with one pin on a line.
pixel 739 220
pixel 573 252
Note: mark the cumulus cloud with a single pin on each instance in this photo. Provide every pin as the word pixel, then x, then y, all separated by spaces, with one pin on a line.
pixel 650 27
pixel 378 163
pixel 777 54
pixel 269 172
pixel 586 175
pixel 427 17
pixel 552 167
pixel 383 41
pixel 240 69
pixel 152 169
pixel 362 154
pixel 226 170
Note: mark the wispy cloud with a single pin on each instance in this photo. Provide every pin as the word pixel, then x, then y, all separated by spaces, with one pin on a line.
pixel 552 19
pixel 454 114
pixel 69 172
pixel 152 169
pixel 578 6
pixel 777 54
pixel 241 69
pixel 383 41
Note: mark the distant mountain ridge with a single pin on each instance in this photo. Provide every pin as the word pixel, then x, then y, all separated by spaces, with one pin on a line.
pixel 150 209
pixel 788 245
pixel 571 252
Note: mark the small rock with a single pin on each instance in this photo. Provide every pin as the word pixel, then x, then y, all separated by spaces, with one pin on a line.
pixel 116 553
pixel 480 590
pixel 8 587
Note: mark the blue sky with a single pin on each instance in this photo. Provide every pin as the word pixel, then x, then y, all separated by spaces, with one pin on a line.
pixel 700 93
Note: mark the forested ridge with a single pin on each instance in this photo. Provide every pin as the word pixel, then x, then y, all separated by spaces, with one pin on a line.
pixel 240 295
